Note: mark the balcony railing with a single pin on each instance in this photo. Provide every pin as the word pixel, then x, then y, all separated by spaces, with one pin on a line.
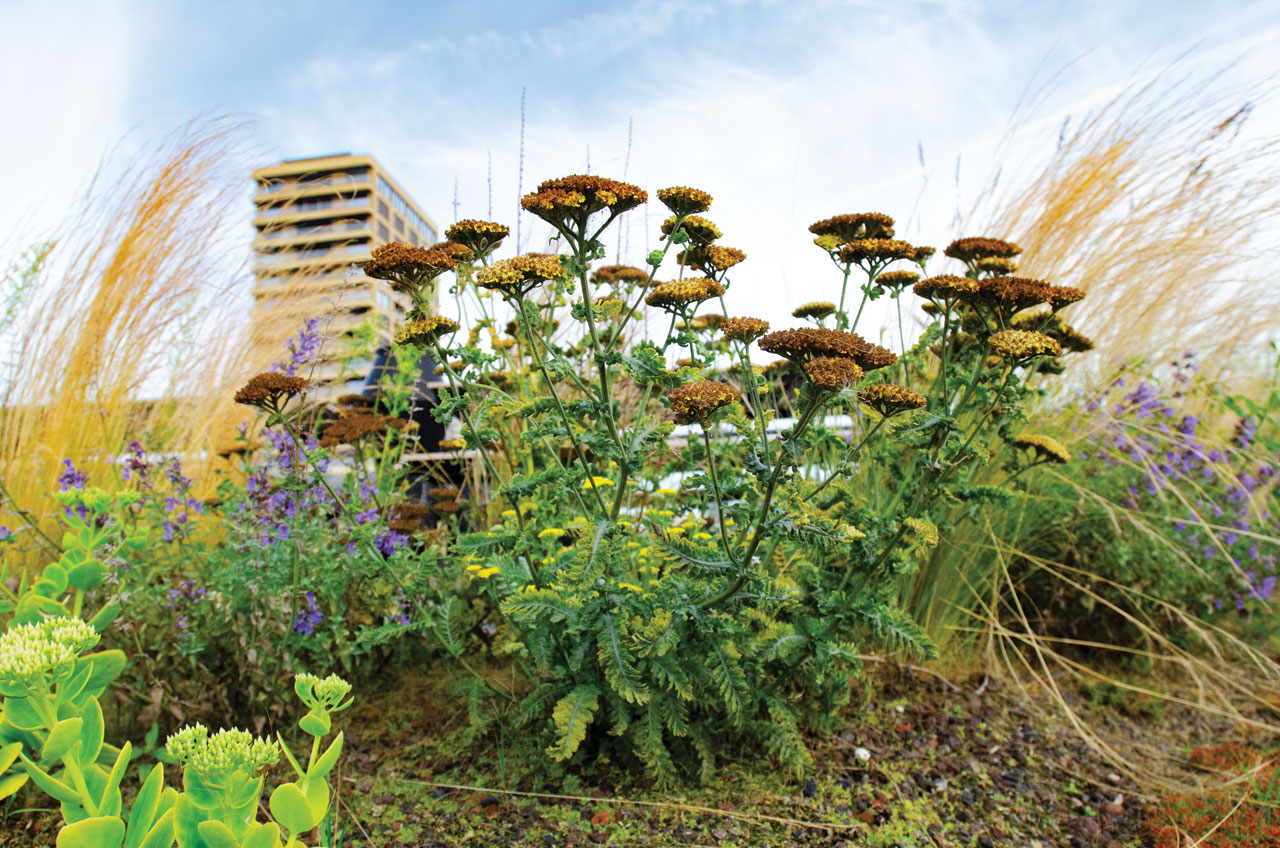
pixel 304 206
pixel 317 230
pixel 325 182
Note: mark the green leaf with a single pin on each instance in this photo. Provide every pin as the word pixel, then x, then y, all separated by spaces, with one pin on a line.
pixel 217 835
pixel 142 815
pixel 91 735
pixel 23 716
pixel 616 662
pixel 186 818
pixel 105 616
pixel 107 666
pixel 87 575
pixel 328 759
pixel 64 734
pixel 314 724
pixel 110 797
pixel 647 366
pixel 97 832
pixel 12 784
pixel 263 836
pixel 161 834
pixel 288 755
pixel 9 755
pixel 290 807
pixel 571 718
pixel 50 784
pixel 543 604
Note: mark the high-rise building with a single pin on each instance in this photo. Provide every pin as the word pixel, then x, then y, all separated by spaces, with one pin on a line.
pixel 316 218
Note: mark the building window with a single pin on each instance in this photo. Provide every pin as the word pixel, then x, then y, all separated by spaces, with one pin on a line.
pixel 384 299
pixel 413 238
pixel 399 224
pixel 383 210
pixel 383 232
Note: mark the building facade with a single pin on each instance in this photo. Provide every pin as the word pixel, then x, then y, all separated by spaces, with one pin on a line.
pixel 315 219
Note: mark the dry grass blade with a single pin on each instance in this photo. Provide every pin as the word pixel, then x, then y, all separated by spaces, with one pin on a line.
pixel 1162 206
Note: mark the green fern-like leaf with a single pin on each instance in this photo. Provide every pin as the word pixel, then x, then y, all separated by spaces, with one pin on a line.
pixel 616 662
pixel 667 671
pixel 542 604
pixel 571 717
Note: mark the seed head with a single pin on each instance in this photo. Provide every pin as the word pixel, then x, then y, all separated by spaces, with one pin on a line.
pixel 619 274
pixel 890 399
pixel 562 200
pixel 877 250
pixel 744 329
pixel 479 237
pixel 1017 345
pixel 521 273
pixel 701 232
pixel 945 287
pixel 270 390
pixel 1060 296
pixel 897 280
pixel 698 401
pixel 675 295
pixel 351 429
pixel 409 269
pixel 1012 294
pixel 847 228
pixel 711 258
pixel 1045 447
pixel 832 373
pixel 970 250
pixel 426 331
pixel 805 343
pixel 817 309
pixel 683 200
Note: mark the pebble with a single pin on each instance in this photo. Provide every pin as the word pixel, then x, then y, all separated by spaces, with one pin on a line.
pixel 810 788
pixel 862 754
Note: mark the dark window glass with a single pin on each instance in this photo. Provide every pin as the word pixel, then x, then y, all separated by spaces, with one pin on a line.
pixel 383 210
pixel 399 224
pixel 383 232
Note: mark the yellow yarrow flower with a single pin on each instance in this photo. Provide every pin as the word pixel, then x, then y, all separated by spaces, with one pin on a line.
pixel 597 481
pixel 551 532
pixel 488 572
pixel 631 586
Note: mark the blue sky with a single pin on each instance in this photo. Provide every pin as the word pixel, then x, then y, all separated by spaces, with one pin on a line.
pixel 785 111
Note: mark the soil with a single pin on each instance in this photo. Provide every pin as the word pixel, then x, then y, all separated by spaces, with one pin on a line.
pixel 927 762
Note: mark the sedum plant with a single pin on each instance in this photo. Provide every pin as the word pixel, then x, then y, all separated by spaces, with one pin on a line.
pixel 686 556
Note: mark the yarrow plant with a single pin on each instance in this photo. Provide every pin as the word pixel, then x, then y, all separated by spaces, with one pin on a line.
pixel 684 557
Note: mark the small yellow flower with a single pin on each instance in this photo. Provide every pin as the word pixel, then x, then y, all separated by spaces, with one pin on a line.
pixel 633 544
pixel 474 567
pixel 508 514
pixel 551 533
pixel 702 535
pixel 676 531
pixel 487 572
pixel 630 586
pixel 623 523
pixel 597 481
pixel 667 492
pixel 729 522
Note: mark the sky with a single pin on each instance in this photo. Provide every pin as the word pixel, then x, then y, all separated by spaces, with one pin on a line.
pixel 786 112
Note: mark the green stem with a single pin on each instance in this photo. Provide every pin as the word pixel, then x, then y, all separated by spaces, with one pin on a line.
pixel 715 484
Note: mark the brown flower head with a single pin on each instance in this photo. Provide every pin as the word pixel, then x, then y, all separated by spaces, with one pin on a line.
pixel 699 401
pixel 817 309
pixel 444 493
pixel 832 373
pixel 1045 447
pixel 356 401
pixel 1052 325
pixel 683 200
pixel 921 254
pixel 1060 296
pixel 480 237
pixel 452 444
pixel 996 264
pixel 970 250
pixel 676 295
pixel 711 258
pixel 457 367
pixel 700 231
pixel 744 329
pixel 945 287
pixel 1017 345
pixel 270 391
pixel 616 274
pixel 804 343
pixel 1008 295
pixel 410 269
pixel 353 428
pixel 519 274
pixel 446 507
pixel 563 200
pixel 875 251
pixel 847 228
pixel 890 399
pixel 426 331
pixel 710 321
pixel 897 280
